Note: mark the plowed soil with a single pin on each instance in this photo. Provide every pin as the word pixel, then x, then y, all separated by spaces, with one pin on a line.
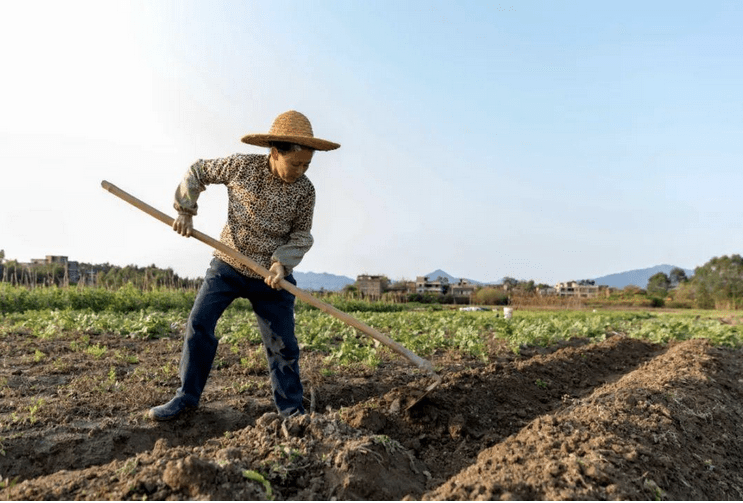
pixel 619 419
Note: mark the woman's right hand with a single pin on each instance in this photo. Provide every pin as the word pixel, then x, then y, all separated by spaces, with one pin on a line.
pixel 183 225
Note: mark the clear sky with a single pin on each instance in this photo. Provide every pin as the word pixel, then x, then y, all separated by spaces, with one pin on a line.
pixel 538 139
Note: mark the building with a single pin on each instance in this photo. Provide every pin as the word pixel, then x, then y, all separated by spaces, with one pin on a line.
pixel 424 285
pixel 49 259
pixel 56 259
pixel 546 291
pixel 575 289
pixel 463 288
pixel 73 271
pixel 371 287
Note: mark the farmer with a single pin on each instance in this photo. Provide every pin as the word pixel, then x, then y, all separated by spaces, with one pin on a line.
pixel 269 218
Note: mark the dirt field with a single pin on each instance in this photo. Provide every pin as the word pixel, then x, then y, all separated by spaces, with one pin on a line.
pixel 621 419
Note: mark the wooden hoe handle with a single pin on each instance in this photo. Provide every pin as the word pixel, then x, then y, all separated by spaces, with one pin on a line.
pixel 421 363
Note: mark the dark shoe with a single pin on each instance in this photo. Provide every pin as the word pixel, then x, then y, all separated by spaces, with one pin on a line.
pixel 170 410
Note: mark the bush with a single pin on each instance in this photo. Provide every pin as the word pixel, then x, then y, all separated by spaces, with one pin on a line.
pixel 491 297
pixel 18 299
pixel 676 304
pixel 424 298
pixel 657 302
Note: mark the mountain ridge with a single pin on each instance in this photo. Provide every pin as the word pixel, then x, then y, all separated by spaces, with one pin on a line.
pixel 321 281
pixel 639 277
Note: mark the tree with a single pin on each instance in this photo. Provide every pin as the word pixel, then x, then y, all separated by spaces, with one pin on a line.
pixel 658 285
pixel 526 286
pixel 491 296
pixel 677 276
pixel 719 282
pixel 510 283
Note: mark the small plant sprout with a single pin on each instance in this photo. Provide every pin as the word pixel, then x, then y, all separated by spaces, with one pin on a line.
pixel 257 477
pixel 168 369
pixel 33 409
pixel 289 453
pixel 131 359
pixel 390 445
pixel 97 351
pixel 129 467
pixel 254 361
pixel 38 356
pixel 326 372
pixel 241 387
pixel 657 491
pixel 542 384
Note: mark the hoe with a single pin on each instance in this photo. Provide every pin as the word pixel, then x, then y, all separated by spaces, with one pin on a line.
pixel 419 362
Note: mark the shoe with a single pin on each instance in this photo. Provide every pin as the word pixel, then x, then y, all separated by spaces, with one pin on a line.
pixel 170 410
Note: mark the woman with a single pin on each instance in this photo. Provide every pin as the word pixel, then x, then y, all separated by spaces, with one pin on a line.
pixel 271 203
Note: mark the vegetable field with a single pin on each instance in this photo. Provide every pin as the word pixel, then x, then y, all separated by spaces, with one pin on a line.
pixel 547 405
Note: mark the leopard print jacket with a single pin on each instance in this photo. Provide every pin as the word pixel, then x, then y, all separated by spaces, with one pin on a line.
pixel 268 219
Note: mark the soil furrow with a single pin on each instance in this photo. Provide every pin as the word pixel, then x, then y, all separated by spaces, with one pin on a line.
pixel 617 419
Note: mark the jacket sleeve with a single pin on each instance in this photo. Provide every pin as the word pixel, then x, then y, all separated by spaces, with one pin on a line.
pixel 300 238
pixel 199 175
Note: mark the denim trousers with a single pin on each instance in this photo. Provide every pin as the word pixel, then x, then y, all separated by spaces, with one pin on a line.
pixel 274 311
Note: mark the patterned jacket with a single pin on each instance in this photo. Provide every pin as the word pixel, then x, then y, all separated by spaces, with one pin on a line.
pixel 268 219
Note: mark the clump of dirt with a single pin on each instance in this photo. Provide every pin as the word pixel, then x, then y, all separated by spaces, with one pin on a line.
pixel 617 419
pixel 307 457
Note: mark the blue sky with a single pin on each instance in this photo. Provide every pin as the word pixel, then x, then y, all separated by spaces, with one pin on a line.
pixel 539 140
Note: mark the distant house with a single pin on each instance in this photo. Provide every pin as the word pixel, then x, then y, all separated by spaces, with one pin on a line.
pixel 401 287
pixel 371 287
pixel 575 289
pixel 73 271
pixel 424 285
pixel 463 288
pixel 546 291
pixel 49 259
pixel 72 268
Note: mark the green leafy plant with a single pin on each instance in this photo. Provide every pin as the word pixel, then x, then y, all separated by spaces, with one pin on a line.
pixel 257 477
pixel 97 351
pixel 33 409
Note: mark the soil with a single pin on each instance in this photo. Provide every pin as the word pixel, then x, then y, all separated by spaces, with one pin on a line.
pixel 620 419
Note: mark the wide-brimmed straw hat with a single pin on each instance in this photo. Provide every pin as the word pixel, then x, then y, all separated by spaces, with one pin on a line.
pixel 290 127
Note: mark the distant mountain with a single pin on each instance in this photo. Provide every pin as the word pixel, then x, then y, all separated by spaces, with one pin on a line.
pixel 438 273
pixel 313 281
pixel 321 281
pixel 637 277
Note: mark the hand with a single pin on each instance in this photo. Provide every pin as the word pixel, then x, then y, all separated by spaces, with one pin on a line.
pixel 275 274
pixel 183 225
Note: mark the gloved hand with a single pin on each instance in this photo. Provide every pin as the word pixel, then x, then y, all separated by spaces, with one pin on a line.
pixel 183 225
pixel 275 274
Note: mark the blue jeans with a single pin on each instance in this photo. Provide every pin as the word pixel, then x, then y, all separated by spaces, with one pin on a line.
pixel 274 310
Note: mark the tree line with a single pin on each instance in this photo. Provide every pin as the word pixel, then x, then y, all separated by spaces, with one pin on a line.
pixel 99 275
pixel 718 284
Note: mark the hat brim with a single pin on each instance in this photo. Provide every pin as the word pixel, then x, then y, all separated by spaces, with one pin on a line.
pixel 264 140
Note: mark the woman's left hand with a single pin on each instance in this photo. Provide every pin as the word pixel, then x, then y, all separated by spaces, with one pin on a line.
pixel 275 274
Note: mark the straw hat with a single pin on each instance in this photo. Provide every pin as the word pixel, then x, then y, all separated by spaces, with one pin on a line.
pixel 290 127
